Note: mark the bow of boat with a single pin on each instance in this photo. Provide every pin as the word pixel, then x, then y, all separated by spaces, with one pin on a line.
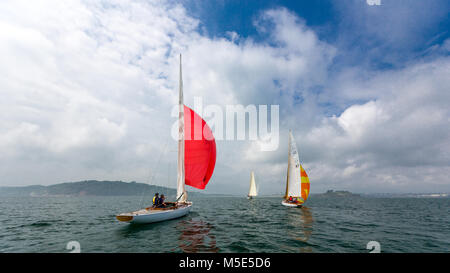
pixel 291 204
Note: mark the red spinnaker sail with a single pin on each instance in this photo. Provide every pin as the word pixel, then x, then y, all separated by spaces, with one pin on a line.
pixel 199 150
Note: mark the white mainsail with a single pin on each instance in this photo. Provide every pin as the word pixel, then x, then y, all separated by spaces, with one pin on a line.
pixel 252 191
pixel 293 187
pixel 181 192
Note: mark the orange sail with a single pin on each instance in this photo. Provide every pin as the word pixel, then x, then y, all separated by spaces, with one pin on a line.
pixel 305 183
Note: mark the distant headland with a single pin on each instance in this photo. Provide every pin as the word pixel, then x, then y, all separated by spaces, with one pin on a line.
pixel 332 193
pixel 89 188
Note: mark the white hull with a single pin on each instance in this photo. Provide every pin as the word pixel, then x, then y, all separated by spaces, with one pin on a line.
pixel 147 216
pixel 288 204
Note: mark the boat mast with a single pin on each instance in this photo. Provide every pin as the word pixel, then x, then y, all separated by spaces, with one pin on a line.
pixel 181 192
pixel 287 175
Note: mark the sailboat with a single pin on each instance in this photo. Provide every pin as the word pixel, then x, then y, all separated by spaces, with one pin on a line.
pixel 297 182
pixel 252 191
pixel 196 162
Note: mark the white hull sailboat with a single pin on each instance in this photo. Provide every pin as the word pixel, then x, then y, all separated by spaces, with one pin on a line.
pixel 196 161
pixel 297 182
pixel 152 215
pixel 252 192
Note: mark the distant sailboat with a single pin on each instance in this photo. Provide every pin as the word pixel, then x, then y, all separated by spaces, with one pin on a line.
pixel 297 182
pixel 196 161
pixel 252 191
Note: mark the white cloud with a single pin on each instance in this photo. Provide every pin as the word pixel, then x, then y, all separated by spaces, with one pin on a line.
pixel 402 136
pixel 83 82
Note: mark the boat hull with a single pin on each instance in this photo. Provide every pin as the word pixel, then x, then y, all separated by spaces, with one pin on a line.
pixel 289 204
pixel 148 216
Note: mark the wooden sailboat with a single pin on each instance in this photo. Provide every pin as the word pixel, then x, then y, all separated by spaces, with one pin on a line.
pixel 252 191
pixel 297 182
pixel 196 161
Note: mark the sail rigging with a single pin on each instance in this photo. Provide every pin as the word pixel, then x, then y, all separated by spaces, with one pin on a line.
pixel 181 196
pixel 297 182
pixel 196 149
pixel 195 166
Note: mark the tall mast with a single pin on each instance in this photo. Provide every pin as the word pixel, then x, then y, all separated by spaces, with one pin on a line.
pixel 287 175
pixel 180 170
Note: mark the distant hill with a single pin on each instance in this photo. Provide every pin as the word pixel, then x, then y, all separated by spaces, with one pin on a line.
pixel 410 195
pixel 89 188
pixel 331 193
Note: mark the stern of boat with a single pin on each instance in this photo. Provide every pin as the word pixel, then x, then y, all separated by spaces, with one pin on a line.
pixel 124 217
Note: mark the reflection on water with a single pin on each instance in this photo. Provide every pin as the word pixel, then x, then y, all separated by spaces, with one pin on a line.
pixel 133 230
pixel 196 237
pixel 301 224
pixel 253 207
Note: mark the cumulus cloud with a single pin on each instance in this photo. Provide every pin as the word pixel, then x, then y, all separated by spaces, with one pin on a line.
pixel 400 135
pixel 87 88
pixel 83 86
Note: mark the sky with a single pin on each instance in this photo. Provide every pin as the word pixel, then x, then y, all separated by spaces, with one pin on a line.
pixel 87 88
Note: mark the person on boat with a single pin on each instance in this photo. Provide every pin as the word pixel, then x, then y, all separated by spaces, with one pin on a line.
pixel 155 199
pixel 290 199
pixel 161 202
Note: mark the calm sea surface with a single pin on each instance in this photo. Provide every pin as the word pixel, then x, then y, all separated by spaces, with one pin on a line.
pixel 227 224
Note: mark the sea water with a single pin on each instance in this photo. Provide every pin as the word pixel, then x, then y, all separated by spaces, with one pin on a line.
pixel 227 224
